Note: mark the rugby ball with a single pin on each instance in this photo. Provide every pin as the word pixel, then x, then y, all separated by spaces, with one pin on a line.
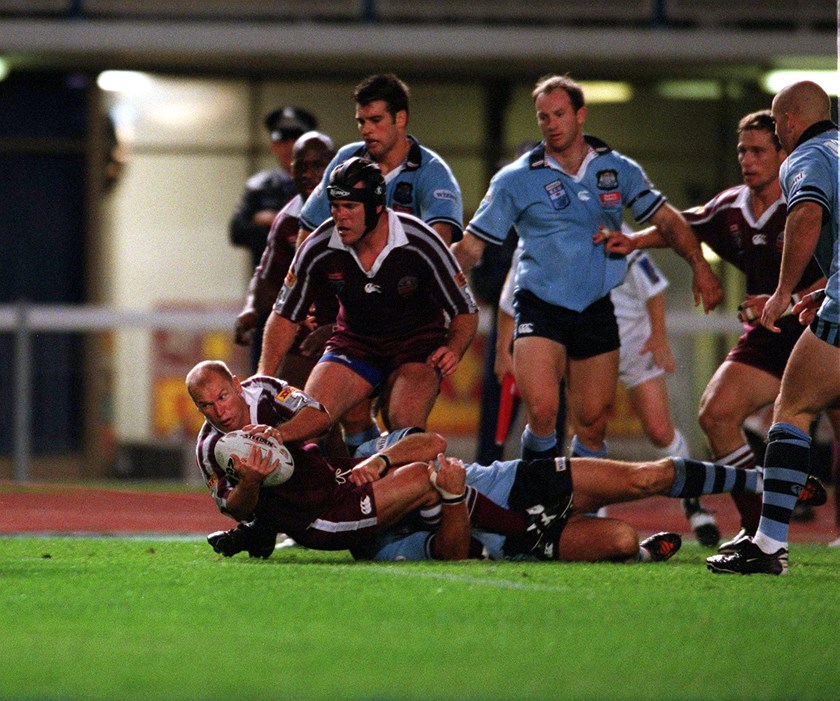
pixel 239 443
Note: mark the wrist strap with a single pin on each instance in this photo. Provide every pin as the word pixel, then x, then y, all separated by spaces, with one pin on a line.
pixel 447 498
pixel 384 458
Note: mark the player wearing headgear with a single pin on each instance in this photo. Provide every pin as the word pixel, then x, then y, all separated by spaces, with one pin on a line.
pixel 396 284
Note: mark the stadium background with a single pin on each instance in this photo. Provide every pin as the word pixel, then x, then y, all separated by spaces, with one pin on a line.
pixel 150 237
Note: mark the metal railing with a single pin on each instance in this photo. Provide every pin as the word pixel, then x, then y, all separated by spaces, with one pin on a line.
pixel 24 319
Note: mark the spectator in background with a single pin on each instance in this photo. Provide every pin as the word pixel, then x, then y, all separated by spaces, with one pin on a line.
pixel 267 192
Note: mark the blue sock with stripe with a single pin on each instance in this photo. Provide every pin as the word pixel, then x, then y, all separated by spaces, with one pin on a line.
pixel 786 466
pixel 693 478
pixel 535 447
pixel 579 450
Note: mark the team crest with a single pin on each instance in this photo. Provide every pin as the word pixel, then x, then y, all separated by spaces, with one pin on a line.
pixel 607 179
pixel 407 285
pixel 403 193
pixel 557 194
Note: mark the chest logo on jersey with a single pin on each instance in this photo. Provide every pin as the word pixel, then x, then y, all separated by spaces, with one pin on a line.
pixel 336 281
pixel 372 287
pixel 759 240
pixel 365 506
pixel 557 194
pixel 610 200
pixel 407 286
pixel 607 179
pixel 403 193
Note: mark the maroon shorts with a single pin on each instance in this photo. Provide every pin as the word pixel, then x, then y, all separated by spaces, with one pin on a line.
pixel 349 522
pixel 766 350
pixel 376 358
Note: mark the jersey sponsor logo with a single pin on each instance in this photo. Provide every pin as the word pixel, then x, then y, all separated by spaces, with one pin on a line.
pixel 372 287
pixel 284 394
pixel 610 200
pixel 584 196
pixel 759 240
pixel 796 179
pixel 336 281
pixel 291 279
pixel 524 329
pixel 607 179
pixel 365 506
pixel 445 195
pixel 403 193
pixel 461 279
pixel 212 480
pixel 407 285
pixel 557 195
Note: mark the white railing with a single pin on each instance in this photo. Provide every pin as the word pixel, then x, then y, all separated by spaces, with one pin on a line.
pixel 23 320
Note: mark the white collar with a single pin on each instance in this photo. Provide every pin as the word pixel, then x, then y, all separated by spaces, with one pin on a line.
pixel 396 238
pixel 552 162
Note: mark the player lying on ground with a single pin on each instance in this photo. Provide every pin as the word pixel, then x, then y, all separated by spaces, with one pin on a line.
pixel 321 503
pixel 517 485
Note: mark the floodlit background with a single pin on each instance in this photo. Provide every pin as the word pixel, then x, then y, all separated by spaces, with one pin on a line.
pixel 175 93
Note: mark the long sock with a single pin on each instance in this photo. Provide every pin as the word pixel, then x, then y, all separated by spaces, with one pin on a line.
pixel 354 440
pixel 786 466
pixel 748 505
pixel 695 477
pixel 677 447
pixel 489 516
pixel 579 450
pixel 535 447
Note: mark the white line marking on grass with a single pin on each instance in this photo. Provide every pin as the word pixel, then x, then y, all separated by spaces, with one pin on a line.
pixel 478 581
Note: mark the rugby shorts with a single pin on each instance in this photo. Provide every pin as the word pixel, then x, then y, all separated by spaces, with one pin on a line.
pixel 584 334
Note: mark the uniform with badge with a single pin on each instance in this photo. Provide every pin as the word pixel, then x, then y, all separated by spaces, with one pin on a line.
pixel 423 186
pixel 269 189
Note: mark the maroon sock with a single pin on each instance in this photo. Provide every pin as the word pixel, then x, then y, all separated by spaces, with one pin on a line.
pixel 749 506
pixel 489 516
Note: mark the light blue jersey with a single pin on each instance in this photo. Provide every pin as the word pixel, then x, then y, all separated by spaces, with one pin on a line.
pixel 423 186
pixel 494 481
pixel 810 174
pixel 555 215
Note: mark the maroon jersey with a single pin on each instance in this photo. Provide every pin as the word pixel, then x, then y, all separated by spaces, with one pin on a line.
pixel 314 486
pixel 276 258
pixel 726 224
pixel 413 286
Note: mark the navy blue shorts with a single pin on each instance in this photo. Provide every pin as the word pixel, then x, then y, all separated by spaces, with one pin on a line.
pixel 584 334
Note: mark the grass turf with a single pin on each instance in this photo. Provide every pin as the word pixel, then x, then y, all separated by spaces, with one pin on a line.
pixel 141 619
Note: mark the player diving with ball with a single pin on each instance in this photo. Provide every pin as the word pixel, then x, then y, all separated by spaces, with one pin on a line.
pixel 513 509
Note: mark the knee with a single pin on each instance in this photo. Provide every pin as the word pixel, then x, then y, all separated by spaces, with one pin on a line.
pixel 713 414
pixel 661 436
pixel 625 542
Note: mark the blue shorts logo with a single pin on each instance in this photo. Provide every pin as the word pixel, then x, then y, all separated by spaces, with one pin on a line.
pixel 557 194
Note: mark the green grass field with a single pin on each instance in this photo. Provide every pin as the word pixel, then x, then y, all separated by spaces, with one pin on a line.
pixel 144 619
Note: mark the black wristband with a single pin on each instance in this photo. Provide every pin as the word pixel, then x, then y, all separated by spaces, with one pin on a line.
pixel 384 459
